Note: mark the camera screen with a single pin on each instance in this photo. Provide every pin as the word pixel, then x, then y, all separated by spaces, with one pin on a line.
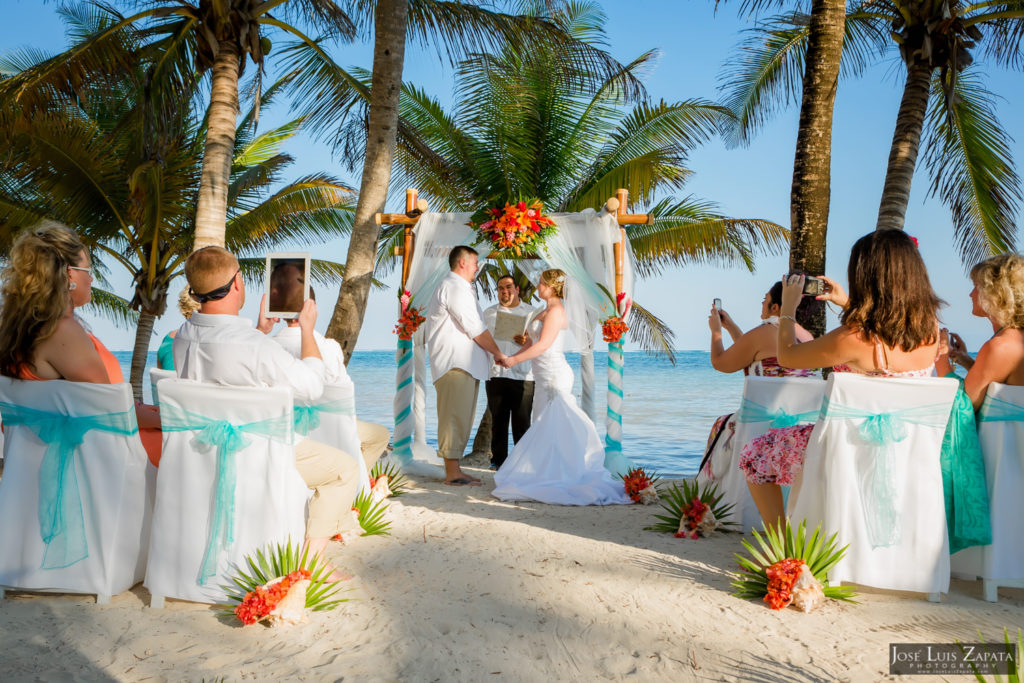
pixel 288 280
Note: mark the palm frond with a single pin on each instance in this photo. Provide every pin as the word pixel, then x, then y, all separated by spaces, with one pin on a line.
pixel 675 500
pixel 372 515
pixel 650 333
pixel 266 146
pixel 397 481
pixel 114 308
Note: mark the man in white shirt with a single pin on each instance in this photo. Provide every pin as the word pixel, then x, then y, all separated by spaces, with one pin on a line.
pixel 215 345
pixel 286 280
pixel 458 342
pixel 509 390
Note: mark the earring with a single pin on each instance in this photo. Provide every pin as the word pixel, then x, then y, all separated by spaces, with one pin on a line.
pixel 72 285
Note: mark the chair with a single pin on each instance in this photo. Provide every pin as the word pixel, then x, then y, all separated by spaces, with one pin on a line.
pixel 1001 433
pixel 767 402
pixel 872 475
pixel 156 375
pixel 74 447
pixel 227 471
pixel 331 420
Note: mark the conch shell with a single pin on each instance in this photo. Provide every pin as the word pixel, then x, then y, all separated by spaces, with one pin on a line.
pixel 380 489
pixel 292 608
pixel 708 523
pixel 807 591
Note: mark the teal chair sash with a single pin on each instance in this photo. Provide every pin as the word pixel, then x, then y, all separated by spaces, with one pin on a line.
pixel 750 411
pixel 880 431
pixel 228 439
pixel 307 418
pixel 997 410
pixel 61 523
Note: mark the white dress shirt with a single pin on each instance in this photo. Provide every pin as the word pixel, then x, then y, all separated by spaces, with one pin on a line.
pixel 228 350
pixel 522 371
pixel 454 319
pixel 290 338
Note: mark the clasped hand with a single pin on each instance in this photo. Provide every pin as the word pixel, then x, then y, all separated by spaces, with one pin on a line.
pixel 505 361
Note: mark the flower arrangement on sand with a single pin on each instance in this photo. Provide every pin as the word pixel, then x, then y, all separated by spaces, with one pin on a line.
pixel 640 486
pixel 790 568
pixel 410 319
pixel 518 228
pixel 692 512
pixel 392 475
pixel 280 587
pixel 614 327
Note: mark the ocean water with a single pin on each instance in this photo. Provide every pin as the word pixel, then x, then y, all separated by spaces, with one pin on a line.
pixel 667 412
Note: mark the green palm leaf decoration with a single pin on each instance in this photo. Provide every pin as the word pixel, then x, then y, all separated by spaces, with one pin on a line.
pixel 1012 653
pixel 819 553
pixel 280 560
pixel 371 515
pixel 676 499
pixel 397 482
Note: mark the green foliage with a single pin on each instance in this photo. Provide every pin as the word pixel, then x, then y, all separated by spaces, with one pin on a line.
pixel 397 482
pixel 819 553
pixel 372 515
pixel 1013 650
pixel 675 499
pixel 280 560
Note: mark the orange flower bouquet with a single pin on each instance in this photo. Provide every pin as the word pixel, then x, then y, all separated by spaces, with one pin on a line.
pixel 410 320
pixel 613 328
pixel 640 486
pixel 517 228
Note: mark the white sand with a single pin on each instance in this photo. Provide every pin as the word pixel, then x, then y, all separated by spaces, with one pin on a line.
pixel 472 589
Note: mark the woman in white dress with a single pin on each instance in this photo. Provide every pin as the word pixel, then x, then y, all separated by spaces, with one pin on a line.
pixel 560 459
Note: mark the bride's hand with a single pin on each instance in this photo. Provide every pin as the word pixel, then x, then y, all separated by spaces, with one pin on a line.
pixel 508 362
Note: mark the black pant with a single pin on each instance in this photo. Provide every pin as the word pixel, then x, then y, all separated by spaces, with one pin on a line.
pixel 508 399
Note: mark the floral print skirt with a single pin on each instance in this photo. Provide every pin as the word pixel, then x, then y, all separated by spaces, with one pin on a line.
pixel 775 456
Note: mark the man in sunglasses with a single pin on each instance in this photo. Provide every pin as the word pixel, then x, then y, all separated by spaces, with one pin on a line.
pixel 216 345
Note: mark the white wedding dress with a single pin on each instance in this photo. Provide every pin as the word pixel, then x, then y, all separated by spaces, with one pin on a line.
pixel 560 458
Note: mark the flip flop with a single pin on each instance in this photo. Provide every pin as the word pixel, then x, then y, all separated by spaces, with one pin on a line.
pixel 461 481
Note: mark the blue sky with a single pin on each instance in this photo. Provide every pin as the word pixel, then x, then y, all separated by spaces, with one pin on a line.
pixel 694 41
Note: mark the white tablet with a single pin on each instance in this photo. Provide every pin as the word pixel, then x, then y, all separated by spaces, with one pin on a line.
pixel 286 284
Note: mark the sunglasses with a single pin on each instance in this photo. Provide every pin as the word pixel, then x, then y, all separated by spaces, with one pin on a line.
pixel 214 294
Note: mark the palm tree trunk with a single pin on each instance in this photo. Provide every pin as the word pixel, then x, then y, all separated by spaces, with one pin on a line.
pixel 386 85
pixel 906 141
pixel 212 209
pixel 140 353
pixel 809 199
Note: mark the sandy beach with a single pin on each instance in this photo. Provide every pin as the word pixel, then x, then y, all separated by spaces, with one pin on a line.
pixel 469 588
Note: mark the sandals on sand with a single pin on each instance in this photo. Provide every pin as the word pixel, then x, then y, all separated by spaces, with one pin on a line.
pixel 463 481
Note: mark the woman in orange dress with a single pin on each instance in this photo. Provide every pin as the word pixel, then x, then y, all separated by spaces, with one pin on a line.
pixel 49 275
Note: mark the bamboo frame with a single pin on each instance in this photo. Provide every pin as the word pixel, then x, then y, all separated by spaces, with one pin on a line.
pixel 415 207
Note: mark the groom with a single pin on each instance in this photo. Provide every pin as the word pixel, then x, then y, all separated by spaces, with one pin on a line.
pixel 458 342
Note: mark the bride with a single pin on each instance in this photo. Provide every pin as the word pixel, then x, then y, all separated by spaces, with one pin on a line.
pixel 560 459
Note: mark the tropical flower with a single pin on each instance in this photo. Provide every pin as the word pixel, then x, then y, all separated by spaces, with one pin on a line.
pixel 613 328
pixel 515 228
pixel 640 486
pixel 408 323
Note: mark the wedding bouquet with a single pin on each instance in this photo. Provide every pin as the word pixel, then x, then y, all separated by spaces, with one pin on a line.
pixel 692 511
pixel 697 520
pixel 410 320
pixel 640 486
pixel 516 228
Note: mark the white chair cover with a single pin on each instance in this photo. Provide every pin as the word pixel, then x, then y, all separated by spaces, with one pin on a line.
pixel 269 495
pixel 1001 433
pixel 767 402
pixel 899 543
pixel 110 473
pixel 156 375
pixel 337 425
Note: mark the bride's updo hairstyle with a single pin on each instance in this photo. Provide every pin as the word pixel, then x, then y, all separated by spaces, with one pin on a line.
pixel 35 291
pixel 555 279
pixel 1000 283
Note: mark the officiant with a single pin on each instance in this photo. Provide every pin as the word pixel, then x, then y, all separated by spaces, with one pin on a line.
pixel 509 390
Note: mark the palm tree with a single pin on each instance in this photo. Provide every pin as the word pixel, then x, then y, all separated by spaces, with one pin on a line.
pixel 458 28
pixel 518 130
pixel 185 38
pixel 92 162
pixel 967 150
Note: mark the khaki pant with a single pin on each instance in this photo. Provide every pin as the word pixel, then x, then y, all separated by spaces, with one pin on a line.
pixel 456 404
pixel 373 439
pixel 334 478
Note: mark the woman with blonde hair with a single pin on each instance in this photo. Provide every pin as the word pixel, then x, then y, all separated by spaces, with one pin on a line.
pixel 48 276
pixel 187 306
pixel 560 458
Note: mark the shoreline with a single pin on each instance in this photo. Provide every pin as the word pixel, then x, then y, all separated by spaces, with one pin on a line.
pixel 471 588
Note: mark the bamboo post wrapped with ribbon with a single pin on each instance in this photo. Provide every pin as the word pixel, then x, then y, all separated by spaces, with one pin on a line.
pixel 613 330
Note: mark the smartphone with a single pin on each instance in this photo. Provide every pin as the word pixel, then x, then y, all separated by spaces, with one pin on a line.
pixel 813 286
pixel 286 284
pixel 717 303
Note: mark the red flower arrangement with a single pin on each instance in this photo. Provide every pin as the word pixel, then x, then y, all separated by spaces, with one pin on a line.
pixel 258 604
pixel 640 486
pixel 410 320
pixel 697 520
pixel 781 577
pixel 613 328
pixel 516 228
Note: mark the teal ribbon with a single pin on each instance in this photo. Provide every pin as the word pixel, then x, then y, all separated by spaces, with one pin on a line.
pixel 402 447
pixel 228 439
pixel 751 411
pixel 306 418
pixel 61 523
pixel 997 410
pixel 614 349
pixel 877 486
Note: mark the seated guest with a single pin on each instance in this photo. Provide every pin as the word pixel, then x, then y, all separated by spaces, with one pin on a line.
pixel 164 355
pixel 48 276
pixel 998 295
pixel 286 282
pixel 889 329
pixel 215 345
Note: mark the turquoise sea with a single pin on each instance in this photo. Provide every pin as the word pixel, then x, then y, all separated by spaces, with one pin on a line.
pixel 667 413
